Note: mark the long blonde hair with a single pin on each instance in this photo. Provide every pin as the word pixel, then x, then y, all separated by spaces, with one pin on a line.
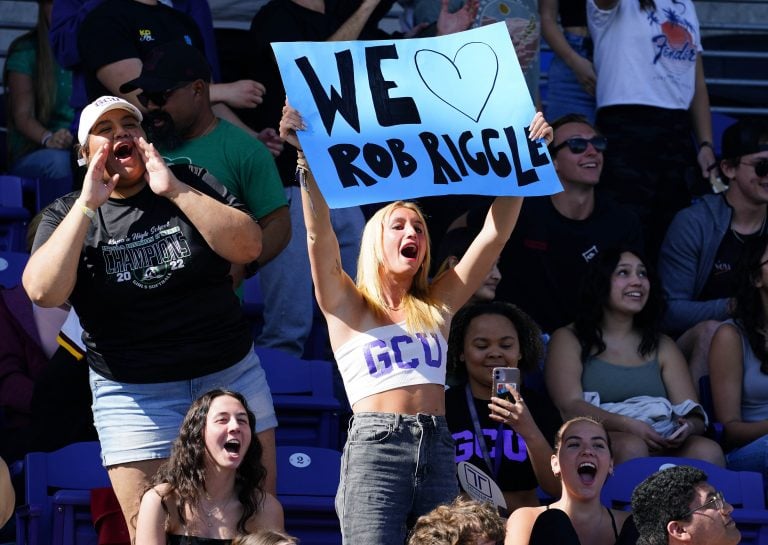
pixel 423 313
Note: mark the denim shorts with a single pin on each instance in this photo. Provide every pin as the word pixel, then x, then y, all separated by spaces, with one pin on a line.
pixel 138 422
pixel 395 468
pixel 565 95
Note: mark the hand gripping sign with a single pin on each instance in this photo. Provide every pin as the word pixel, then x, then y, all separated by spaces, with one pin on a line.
pixel 409 118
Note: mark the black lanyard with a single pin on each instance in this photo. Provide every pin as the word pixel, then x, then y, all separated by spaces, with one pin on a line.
pixel 496 466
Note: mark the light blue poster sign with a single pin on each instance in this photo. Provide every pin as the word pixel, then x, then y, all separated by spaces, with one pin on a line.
pixel 418 117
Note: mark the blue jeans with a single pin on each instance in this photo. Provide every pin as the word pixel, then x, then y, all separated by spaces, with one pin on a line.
pixel 286 281
pixel 565 95
pixel 395 468
pixel 751 457
pixel 43 163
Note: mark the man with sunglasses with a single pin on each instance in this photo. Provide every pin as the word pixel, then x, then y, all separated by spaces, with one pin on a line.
pixel 104 41
pixel 180 121
pixel 705 241
pixel 678 506
pixel 557 236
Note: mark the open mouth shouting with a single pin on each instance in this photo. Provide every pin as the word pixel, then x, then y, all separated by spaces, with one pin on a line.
pixel 123 149
pixel 587 472
pixel 410 250
pixel 232 446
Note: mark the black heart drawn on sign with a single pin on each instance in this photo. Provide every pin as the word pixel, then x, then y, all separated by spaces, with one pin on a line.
pixel 464 82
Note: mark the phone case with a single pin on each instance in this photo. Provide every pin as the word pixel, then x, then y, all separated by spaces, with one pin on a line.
pixel 505 379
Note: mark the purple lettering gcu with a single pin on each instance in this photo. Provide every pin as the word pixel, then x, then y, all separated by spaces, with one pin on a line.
pixel 380 355
pixel 399 355
pixel 436 362
pixel 467 446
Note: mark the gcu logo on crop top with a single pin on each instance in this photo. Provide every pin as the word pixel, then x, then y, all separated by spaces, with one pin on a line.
pixel 403 351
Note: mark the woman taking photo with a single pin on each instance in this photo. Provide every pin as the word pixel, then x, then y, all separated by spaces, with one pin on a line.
pixel 738 366
pixel 582 461
pixel 212 486
pixel 143 253
pixel 513 439
pixel 388 334
pixel 615 349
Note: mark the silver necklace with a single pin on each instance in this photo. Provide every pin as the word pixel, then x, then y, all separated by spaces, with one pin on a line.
pixel 760 231
pixel 216 509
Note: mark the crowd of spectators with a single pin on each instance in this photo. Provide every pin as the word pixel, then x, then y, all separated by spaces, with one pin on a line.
pixel 617 297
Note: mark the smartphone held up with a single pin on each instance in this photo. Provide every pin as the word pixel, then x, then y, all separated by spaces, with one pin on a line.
pixel 505 380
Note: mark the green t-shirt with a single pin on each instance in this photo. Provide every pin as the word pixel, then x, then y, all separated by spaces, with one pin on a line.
pixel 22 59
pixel 239 162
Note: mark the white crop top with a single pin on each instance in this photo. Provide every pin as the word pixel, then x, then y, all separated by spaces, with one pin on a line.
pixel 388 357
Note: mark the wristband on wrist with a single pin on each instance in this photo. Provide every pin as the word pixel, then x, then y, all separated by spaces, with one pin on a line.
pixel 706 144
pixel 90 214
pixel 47 136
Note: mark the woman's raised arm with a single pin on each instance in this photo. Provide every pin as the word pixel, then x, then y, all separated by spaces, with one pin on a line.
pixel 333 287
pixel 457 285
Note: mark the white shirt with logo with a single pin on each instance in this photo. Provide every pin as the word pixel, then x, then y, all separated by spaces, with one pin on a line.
pixel 645 57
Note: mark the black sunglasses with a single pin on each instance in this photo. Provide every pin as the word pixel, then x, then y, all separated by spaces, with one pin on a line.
pixel 761 167
pixel 158 98
pixel 579 145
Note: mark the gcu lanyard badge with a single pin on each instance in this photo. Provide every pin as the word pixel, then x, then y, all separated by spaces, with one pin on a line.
pixel 474 481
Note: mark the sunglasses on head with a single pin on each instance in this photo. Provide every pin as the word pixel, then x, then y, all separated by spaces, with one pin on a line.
pixel 158 98
pixel 579 145
pixel 761 167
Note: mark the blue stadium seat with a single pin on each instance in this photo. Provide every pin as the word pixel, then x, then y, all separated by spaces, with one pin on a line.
pixel 13 216
pixel 307 479
pixel 47 190
pixel 11 266
pixel 57 489
pixel 302 392
pixel 715 430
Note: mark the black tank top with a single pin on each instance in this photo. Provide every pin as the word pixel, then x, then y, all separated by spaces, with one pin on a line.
pixel 613 523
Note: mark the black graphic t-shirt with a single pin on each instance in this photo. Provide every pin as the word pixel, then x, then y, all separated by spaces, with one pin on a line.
pixel 516 472
pixel 548 254
pixel 722 280
pixel 126 29
pixel 155 301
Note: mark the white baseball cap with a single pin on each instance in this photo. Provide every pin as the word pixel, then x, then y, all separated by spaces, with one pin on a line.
pixel 97 108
